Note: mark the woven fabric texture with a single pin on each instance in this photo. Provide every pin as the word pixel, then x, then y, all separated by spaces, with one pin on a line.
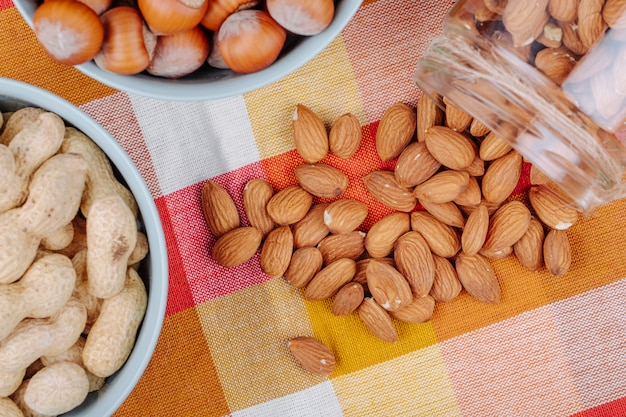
pixel 552 347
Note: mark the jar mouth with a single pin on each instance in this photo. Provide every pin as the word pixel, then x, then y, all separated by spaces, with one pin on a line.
pixel 530 112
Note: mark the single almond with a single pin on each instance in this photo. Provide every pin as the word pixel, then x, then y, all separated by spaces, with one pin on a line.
pixel 446 284
pixel 345 245
pixel 478 278
pixel 475 231
pixel 563 10
pixel 476 168
pixel 382 185
pixel 382 235
pixel 442 239
pixel 525 21
pixel 415 165
pixel 377 320
pixel 557 252
pixel 496 253
pixel 415 262
pixel 289 205
pixel 313 355
pixel 553 210
pixel 429 114
pixel 502 177
pixel 219 209
pixel 276 251
pixel 591 25
pixel 420 310
pixel 456 118
pixel 478 129
pixel 571 40
pixel 321 180
pixel 236 246
pixel 453 149
pixel 493 147
pixel 507 225
pixel 443 187
pixel 344 216
pixel 256 194
pixel 395 130
pixel 448 212
pixel 345 136
pixel 330 279
pixel 529 248
pixel 555 63
pixel 348 299
pixel 361 268
pixel 304 264
pixel 491 207
pixel 311 229
pixel 309 134
pixel 614 13
pixel 472 195
pixel 387 285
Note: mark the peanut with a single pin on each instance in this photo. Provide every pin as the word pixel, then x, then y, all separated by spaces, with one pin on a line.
pixel 81 291
pixel 9 409
pixel 54 195
pixel 60 238
pixel 43 290
pixel 18 399
pixel 112 336
pixel 75 355
pixel 100 178
pixel 57 388
pixel 10 381
pixel 16 121
pixel 111 238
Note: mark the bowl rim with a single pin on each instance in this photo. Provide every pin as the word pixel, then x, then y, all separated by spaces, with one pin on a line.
pixel 197 90
pixel 150 330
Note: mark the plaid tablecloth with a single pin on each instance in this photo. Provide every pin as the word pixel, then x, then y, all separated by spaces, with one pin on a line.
pixel 552 347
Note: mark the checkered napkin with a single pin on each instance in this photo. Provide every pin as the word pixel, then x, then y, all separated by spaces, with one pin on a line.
pixel 552 347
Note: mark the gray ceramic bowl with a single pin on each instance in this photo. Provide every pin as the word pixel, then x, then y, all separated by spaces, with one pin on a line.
pixel 15 95
pixel 211 83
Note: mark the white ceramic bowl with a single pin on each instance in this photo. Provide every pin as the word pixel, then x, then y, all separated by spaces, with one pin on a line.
pixel 211 83
pixel 154 269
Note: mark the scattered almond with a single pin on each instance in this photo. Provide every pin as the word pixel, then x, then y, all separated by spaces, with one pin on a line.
pixel 344 216
pixel 381 237
pixel 525 21
pixel 453 149
pixel 552 209
pixel 415 262
pixel 429 114
pixel 276 251
pixel 382 185
pixel 475 231
pixel 443 187
pixel 330 279
pixel 348 299
pixel 311 229
pixel 478 278
pixel 448 212
pixel 321 180
pixel 456 118
pixel 446 285
pixel 309 134
pixel 478 129
pixel 219 209
pixel 395 130
pixel 345 245
pixel 420 310
pixel 472 195
pixel 415 165
pixel 236 246
pixel 361 268
pixel 313 355
pixel 345 136
pixel 441 238
pixel 256 195
pixel 387 285
pixel 502 177
pixel 507 225
pixel 289 205
pixel 377 320
pixel 557 252
pixel 304 264
pixel 529 248
pixel 493 147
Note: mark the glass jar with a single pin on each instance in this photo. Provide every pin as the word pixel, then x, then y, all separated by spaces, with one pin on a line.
pixel 548 77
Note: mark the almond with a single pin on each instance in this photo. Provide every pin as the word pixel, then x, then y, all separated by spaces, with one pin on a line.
pixel 256 194
pixel 563 10
pixel 395 130
pixel 555 63
pixel 478 278
pixel 496 6
pixel 361 267
pixel 442 187
pixel 309 134
pixel 415 165
pixel 345 136
pixel 571 40
pixel 382 185
pixel 344 216
pixel 276 251
pixel 524 20
pixel 345 245
pixel 429 114
pixel 304 264
pixel 321 180
pixel 496 253
pixel 529 248
pixel 502 177
pixel 553 210
pixel 448 213
pixel 441 238
pixel 478 129
pixel 475 231
pixel 591 25
pixel 313 355
pixel 453 149
pixel 493 147
pixel 420 310
pixel 614 13
pixel 387 285
pixel 446 284
pixel 491 207
pixel 415 262
pixel 472 194
pixel 348 299
pixel 382 235
pixel 236 246
pixel 219 209
pixel 311 229
pixel 507 225
pixel 557 252
pixel 456 118
pixel 289 205
pixel 330 279
pixel 377 320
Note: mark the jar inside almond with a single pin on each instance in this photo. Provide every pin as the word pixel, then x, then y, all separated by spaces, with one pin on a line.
pixel 546 76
